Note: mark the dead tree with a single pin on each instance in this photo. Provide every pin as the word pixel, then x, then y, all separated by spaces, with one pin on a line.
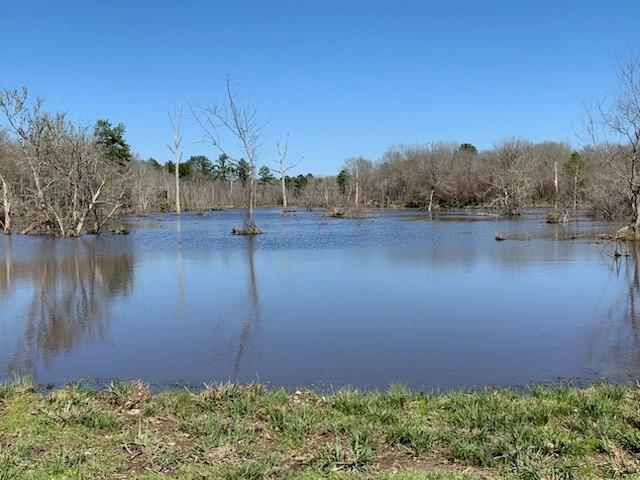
pixel 68 175
pixel 613 133
pixel 282 149
pixel 511 177
pixel 240 121
pixel 435 166
pixel 174 117
pixel 555 183
pixel 6 205
pixel 7 167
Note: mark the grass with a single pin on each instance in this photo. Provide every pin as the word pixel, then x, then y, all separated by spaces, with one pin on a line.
pixel 250 432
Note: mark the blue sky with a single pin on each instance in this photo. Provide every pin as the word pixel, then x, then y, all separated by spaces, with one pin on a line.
pixel 345 78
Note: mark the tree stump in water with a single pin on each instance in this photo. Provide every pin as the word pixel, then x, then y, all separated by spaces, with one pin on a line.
pixel 338 212
pixel 557 216
pixel 250 228
pixel 335 213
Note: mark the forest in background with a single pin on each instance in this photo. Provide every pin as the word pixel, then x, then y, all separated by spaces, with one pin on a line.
pixel 58 177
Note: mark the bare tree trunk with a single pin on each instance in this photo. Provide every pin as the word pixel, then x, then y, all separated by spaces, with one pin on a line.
pixel 175 117
pixel 636 224
pixel 575 192
pixel 357 194
pixel 6 201
pixel 431 200
pixel 114 210
pixel 252 198
pixel 555 182
pixel 63 232
pixel 282 154
pixel 177 169
pixel 284 190
pixel 282 149
pixel 92 203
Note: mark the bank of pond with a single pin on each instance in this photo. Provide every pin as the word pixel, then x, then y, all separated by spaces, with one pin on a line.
pixel 229 431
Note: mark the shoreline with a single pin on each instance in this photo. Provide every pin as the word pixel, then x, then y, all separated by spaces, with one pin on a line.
pixel 168 386
pixel 232 431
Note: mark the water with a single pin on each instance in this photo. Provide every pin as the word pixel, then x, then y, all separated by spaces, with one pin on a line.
pixel 432 303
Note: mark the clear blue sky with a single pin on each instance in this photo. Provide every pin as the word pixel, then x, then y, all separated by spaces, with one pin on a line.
pixel 344 77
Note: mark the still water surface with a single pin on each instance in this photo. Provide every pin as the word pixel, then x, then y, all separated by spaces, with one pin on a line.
pixel 429 302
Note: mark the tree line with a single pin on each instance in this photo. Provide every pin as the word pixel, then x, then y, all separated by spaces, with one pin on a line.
pixel 58 177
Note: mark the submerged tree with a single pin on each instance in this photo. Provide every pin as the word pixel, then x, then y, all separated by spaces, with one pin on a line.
pixel 66 177
pixel 360 170
pixel 174 117
pixel 282 149
pixel 613 134
pixel 240 120
pixel 511 176
pixel 8 173
pixel 435 165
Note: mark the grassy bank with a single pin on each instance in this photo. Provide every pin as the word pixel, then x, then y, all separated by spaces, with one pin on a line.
pixel 234 432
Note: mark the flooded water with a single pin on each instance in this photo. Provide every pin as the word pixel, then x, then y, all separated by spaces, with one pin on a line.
pixel 429 302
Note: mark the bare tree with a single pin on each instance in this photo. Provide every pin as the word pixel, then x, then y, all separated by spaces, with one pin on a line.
pixel 175 117
pixel 27 124
pixel 282 149
pixel 7 168
pixel 357 176
pixel 613 133
pixel 146 181
pixel 435 165
pixel 511 176
pixel 556 188
pixel 69 177
pixel 6 204
pixel 240 120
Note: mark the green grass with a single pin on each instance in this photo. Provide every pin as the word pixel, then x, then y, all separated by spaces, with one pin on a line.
pixel 250 432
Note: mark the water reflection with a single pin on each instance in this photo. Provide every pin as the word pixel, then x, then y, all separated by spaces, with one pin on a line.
pixel 70 285
pixel 180 269
pixel 615 341
pixel 253 312
pixel 429 303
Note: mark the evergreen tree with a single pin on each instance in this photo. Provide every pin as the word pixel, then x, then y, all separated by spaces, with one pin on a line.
pixel 265 175
pixel 111 139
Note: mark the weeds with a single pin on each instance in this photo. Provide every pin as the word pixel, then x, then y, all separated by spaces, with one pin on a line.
pixel 128 395
pixel 232 431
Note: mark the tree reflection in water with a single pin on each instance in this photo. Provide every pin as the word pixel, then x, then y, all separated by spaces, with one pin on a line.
pixel 614 345
pixel 70 286
pixel 253 314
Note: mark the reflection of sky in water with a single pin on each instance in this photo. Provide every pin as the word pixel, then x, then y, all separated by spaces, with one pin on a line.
pixel 317 301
